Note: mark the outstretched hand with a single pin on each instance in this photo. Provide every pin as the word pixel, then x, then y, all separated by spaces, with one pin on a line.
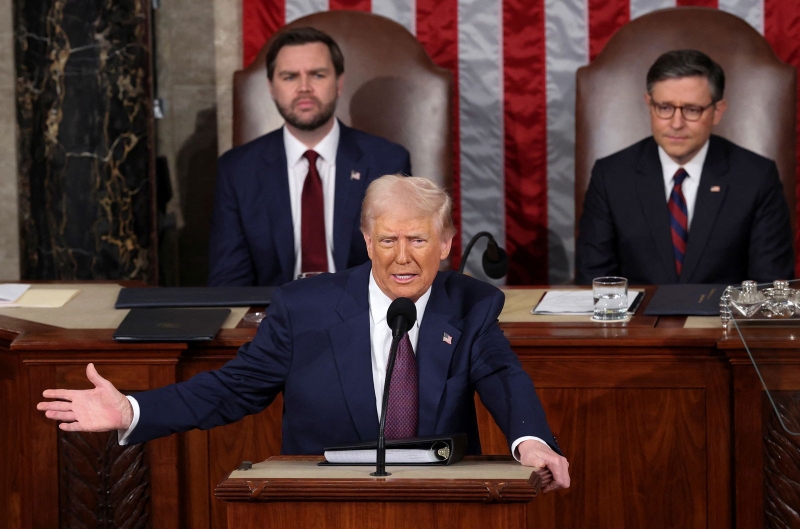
pixel 101 409
pixel 533 453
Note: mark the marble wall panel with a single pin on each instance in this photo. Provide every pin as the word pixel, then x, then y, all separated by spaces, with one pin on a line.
pixel 85 139
pixel 9 226
pixel 228 58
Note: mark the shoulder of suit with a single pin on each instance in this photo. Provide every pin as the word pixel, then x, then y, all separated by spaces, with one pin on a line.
pixel 370 142
pixel 467 292
pixel 253 148
pixel 629 154
pixel 738 155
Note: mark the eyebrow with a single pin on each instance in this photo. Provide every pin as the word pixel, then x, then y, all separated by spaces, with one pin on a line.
pixel 323 69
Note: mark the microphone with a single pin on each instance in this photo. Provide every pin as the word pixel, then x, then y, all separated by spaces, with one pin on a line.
pixel 402 314
pixel 495 259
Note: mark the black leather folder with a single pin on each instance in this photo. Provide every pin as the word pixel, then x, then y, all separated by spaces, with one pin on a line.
pixel 171 325
pixel 685 300
pixel 193 297
pixel 448 449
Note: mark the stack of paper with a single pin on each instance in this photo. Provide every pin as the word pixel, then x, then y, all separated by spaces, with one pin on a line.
pixel 11 292
pixel 568 302
pixel 15 295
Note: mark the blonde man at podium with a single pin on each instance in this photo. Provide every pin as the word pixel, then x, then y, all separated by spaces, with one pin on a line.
pixel 325 342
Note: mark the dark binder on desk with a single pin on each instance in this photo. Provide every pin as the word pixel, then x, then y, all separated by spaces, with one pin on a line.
pixel 685 300
pixel 171 325
pixel 433 450
pixel 193 297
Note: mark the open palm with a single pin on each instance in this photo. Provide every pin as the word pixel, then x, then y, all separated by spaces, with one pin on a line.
pixel 100 409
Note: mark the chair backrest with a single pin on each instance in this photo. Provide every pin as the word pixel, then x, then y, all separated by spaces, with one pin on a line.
pixel 392 89
pixel 761 90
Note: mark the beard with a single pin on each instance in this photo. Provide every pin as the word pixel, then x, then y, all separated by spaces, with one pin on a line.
pixel 309 123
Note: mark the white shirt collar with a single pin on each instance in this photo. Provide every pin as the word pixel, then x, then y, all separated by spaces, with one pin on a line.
pixel 379 303
pixel 326 148
pixel 694 167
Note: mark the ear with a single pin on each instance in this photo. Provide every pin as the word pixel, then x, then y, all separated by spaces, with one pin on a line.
pixel 719 109
pixel 339 85
pixel 271 89
pixel 647 99
pixel 446 245
pixel 368 242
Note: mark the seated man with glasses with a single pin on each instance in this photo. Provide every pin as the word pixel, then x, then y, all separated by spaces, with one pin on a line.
pixel 685 206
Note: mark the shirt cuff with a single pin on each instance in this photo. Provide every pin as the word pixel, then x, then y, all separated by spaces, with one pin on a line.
pixel 515 444
pixel 124 434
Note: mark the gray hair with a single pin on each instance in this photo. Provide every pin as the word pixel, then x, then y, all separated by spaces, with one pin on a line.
pixel 677 64
pixel 413 192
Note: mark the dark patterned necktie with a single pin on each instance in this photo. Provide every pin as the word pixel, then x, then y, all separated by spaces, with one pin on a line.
pixel 678 219
pixel 402 413
pixel 314 251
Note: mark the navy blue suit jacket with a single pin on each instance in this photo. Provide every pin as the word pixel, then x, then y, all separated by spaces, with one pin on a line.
pixel 315 347
pixel 252 235
pixel 740 228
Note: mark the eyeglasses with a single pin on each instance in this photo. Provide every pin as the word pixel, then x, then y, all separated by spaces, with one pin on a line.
pixel 689 112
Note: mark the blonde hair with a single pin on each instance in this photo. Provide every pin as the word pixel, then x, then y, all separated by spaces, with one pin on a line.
pixel 412 192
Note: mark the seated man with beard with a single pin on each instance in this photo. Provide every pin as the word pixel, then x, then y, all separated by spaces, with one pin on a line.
pixel 289 202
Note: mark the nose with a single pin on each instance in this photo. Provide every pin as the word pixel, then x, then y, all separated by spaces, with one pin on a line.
pixel 677 121
pixel 305 83
pixel 402 256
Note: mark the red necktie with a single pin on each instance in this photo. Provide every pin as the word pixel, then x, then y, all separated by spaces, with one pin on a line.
pixel 678 219
pixel 402 413
pixel 314 250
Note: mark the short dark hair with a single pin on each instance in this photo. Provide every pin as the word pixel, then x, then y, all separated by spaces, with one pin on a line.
pixel 676 64
pixel 298 36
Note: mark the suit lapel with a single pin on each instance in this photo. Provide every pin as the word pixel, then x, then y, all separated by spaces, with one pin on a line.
pixel 351 178
pixel 434 355
pixel 274 189
pixel 653 201
pixel 706 208
pixel 351 349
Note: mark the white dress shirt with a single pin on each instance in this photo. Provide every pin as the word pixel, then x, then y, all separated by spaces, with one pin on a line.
pixel 297 166
pixel 694 168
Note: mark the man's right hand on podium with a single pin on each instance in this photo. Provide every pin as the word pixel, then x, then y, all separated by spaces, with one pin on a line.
pixel 101 409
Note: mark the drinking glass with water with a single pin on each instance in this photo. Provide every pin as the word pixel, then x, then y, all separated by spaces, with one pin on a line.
pixel 610 298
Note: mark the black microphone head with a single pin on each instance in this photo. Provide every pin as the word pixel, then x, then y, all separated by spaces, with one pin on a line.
pixel 495 266
pixel 402 314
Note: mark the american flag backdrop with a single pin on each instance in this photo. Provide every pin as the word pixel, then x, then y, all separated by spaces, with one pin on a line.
pixel 514 64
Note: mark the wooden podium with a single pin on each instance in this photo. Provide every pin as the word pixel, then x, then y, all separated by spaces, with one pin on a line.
pixel 295 492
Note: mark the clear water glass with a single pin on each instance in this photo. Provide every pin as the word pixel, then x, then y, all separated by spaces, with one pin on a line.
pixel 610 298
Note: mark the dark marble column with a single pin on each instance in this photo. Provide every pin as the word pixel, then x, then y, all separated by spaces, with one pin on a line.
pixel 86 144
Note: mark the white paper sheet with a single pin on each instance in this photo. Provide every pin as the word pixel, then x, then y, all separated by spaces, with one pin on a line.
pixel 10 292
pixel 566 302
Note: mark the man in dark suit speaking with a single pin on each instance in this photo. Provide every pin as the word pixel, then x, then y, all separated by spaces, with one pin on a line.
pixel 685 206
pixel 288 202
pixel 325 343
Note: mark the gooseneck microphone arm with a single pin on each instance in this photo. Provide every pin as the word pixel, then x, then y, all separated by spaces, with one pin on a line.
pixel 495 259
pixel 402 314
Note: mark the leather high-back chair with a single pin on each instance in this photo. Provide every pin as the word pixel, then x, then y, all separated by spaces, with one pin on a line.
pixel 392 89
pixel 761 90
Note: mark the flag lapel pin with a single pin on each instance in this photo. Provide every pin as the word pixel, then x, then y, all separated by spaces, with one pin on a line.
pixel 355 175
pixel 447 339
pixel 715 189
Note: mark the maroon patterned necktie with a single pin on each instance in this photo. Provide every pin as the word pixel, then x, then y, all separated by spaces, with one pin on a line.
pixel 402 413
pixel 678 219
pixel 314 250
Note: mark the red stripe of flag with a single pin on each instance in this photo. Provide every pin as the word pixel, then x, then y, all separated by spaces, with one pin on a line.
pixel 437 30
pixel 260 19
pixel 782 30
pixel 605 18
pixel 525 127
pixel 352 5
pixel 697 3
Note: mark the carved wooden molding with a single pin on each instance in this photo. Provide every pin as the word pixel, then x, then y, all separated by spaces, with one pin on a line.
pixel 102 484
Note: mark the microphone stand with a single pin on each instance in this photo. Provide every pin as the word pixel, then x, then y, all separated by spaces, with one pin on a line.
pixel 380 458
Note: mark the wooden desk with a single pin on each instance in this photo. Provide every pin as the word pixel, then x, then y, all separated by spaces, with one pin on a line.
pixel 661 424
